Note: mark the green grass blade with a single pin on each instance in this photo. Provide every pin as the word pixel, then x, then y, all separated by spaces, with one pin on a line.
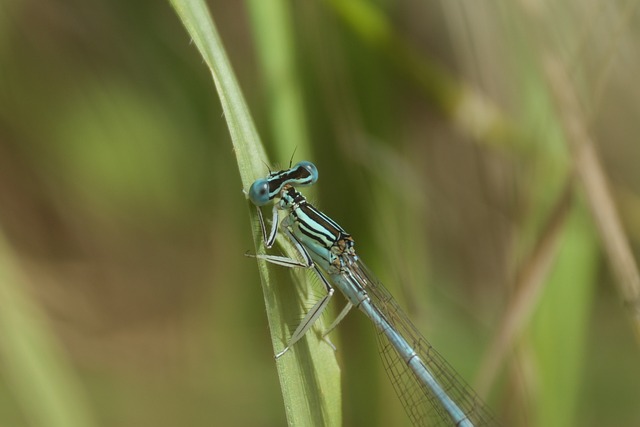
pixel 244 137
pixel 309 375
pixel 35 366
pixel 561 324
pixel 274 36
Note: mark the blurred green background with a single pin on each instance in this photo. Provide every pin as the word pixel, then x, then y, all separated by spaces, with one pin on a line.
pixel 440 149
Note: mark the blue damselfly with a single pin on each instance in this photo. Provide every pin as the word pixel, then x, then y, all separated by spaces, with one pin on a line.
pixel 432 393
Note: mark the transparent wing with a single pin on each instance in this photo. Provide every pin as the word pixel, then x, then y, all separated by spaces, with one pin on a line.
pixel 422 406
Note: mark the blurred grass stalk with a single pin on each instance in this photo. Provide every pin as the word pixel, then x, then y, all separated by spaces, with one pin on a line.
pixel 37 368
pixel 468 108
pixel 593 178
pixel 557 265
pixel 309 375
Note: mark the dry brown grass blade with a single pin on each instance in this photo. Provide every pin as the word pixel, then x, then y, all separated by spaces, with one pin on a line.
pixel 591 174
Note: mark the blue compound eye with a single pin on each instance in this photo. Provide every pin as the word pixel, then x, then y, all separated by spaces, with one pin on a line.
pixel 259 192
pixel 311 168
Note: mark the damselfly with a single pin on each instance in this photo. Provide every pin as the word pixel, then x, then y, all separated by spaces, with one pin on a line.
pixel 432 393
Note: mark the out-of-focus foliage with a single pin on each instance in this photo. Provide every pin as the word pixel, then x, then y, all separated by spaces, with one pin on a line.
pixel 125 221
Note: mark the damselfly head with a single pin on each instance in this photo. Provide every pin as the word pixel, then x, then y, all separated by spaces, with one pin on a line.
pixel 264 190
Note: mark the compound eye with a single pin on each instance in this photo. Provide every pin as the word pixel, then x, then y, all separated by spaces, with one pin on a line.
pixel 311 168
pixel 259 192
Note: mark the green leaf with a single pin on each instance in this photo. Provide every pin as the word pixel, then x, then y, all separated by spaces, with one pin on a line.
pixel 309 374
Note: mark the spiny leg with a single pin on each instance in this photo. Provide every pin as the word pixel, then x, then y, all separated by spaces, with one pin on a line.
pixel 270 239
pixel 311 317
pixel 319 307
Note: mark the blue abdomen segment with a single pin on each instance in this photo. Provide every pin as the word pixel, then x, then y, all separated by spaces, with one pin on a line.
pixel 418 367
